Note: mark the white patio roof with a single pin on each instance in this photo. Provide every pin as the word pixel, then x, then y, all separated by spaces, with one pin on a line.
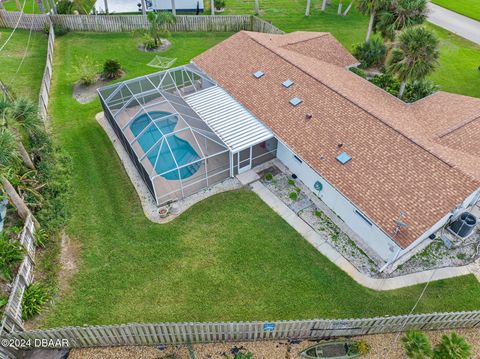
pixel 230 121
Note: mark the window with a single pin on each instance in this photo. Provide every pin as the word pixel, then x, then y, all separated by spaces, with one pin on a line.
pixel 362 216
pixel 258 74
pixel 298 159
pixel 343 157
pixel 287 83
pixel 295 101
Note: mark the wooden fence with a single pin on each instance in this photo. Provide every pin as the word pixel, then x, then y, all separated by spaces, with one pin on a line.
pixel 184 333
pixel 12 314
pixel 47 77
pixel 124 23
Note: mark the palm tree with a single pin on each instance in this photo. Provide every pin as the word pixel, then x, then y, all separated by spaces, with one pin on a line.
pixel 324 5
pixel 40 6
pixel 174 8
pixel 21 112
pixel 144 7
pixel 257 7
pixel 105 2
pixel 8 160
pixel 159 22
pixel 414 57
pixel 454 347
pixel 417 345
pixel 212 7
pixel 400 15
pixel 371 8
pixel 348 8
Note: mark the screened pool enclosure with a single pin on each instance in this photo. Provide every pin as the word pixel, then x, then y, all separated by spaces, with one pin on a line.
pixel 180 132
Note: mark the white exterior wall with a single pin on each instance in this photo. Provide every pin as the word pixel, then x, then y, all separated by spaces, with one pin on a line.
pixel 180 5
pixel 372 235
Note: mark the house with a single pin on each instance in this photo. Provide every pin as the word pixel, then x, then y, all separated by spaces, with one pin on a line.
pixel 180 5
pixel 394 172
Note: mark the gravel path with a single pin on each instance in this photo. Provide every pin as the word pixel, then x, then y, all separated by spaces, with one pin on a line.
pixel 382 346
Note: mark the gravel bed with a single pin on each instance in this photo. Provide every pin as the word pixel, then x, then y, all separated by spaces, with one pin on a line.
pixel 282 186
pixel 381 346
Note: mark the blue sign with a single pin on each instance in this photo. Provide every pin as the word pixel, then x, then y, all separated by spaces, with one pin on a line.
pixel 269 327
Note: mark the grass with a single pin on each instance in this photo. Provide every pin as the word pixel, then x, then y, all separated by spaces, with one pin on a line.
pixel 28 79
pixel 470 8
pixel 31 7
pixel 229 257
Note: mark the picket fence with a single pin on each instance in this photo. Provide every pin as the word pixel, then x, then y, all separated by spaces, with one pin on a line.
pixel 47 77
pixel 12 313
pixel 185 333
pixel 125 23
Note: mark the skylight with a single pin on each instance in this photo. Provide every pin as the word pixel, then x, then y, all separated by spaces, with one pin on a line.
pixel 343 158
pixel 287 83
pixel 258 74
pixel 295 101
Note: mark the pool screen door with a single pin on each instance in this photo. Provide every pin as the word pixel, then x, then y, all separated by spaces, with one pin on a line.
pixel 244 160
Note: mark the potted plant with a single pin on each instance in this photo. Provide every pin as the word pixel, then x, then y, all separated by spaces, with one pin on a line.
pixel 268 177
pixel 164 211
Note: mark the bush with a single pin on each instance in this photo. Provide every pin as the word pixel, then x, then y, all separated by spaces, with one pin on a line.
pixel 363 348
pixel 268 176
pixel 11 254
pixel 387 82
pixel 219 4
pixel 59 30
pixel 65 7
pixel 293 196
pixel 291 182
pixel 149 42
pixel 87 72
pixel 416 345
pixel 372 53
pixel 417 90
pixel 298 190
pixel 453 347
pixel 112 69
pixel 359 72
pixel 34 298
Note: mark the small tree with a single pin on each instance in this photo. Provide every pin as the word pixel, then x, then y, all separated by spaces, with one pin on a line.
pixel 414 57
pixel 372 53
pixel 417 345
pixel 453 347
pixel 159 22
pixel 371 8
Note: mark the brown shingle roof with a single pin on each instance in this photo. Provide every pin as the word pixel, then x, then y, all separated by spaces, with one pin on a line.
pixel 398 164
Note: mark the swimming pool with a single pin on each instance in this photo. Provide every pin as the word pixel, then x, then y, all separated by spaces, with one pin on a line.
pixel 181 149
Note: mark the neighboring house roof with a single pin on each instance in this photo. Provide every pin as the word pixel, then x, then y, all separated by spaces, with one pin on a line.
pixel 418 158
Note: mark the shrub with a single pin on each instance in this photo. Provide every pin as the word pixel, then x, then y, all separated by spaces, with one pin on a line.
pixel 298 190
pixel 65 7
pixel 359 72
pixel 59 30
pixel 87 72
pixel 291 182
pixel 35 296
pixel 363 348
pixel 293 196
pixel 268 176
pixel 416 345
pixel 372 53
pixel 11 254
pixel 453 347
pixel 219 4
pixel 387 82
pixel 417 90
pixel 149 42
pixel 112 69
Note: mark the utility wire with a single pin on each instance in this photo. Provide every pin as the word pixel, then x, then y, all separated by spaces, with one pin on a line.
pixel 16 26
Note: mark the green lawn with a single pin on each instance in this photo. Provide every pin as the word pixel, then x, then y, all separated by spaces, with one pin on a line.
pixel 30 6
pixel 27 81
pixel 470 8
pixel 227 258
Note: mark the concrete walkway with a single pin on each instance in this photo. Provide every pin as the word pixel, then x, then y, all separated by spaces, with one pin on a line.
pixel 454 22
pixel 331 253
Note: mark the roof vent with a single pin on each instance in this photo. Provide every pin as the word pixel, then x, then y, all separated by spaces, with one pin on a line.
pixel 343 158
pixel 287 83
pixel 295 101
pixel 258 74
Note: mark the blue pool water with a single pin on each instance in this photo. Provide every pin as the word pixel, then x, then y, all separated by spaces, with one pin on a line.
pixel 183 150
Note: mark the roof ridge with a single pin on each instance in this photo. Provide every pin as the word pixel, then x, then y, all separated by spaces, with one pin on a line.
pixel 459 126
pixel 356 104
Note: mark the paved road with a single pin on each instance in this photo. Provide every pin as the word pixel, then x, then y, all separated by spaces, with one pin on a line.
pixel 456 23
